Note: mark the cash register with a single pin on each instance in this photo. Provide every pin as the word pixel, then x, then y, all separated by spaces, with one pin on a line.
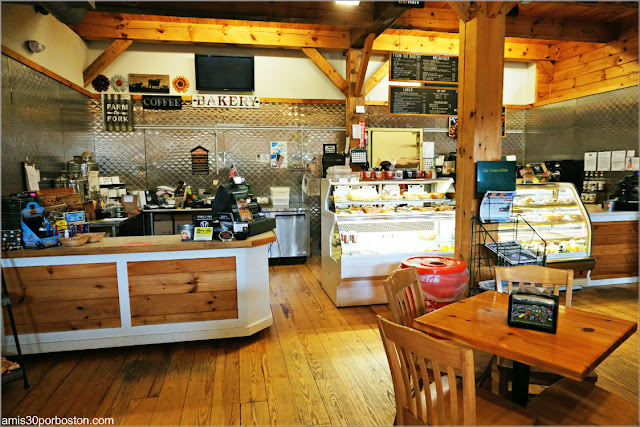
pixel 237 212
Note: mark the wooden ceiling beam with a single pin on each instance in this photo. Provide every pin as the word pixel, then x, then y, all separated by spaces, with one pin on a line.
pixel 288 38
pixel 364 63
pixel 107 57
pixel 543 28
pixel 385 14
pixel 208 33
pixel 377 77
pixel 326 68
pixel 449 46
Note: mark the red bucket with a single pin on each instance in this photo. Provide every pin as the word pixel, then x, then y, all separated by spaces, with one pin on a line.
pixel 443 280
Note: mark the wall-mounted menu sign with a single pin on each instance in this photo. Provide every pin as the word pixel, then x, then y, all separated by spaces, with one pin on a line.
pixel 432 101
pixel 150 102
pixel 117 113
pixel 423 68
pixel 225 101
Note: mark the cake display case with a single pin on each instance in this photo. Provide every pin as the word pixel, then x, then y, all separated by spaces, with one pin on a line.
pixel 368 227
pixel 557 214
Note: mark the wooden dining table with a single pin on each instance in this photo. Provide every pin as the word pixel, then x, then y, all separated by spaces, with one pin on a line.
pixel 582 340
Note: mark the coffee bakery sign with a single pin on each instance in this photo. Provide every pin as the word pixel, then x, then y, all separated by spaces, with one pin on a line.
pixel 225 101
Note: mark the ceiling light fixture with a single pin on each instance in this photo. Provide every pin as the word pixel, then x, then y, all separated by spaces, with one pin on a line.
pixel 349 3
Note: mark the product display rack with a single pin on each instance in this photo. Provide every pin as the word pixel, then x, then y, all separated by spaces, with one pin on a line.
pixel 359 249
pixel 21 371
pixel 504 244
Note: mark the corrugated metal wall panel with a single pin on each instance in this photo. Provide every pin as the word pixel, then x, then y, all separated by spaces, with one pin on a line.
pixel 41 119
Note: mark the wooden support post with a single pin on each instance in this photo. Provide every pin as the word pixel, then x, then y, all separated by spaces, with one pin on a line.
pixel 107 57
pixel 481 68
pixel 354 59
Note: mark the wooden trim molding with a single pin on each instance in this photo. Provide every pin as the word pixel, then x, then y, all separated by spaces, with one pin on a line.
pixel 29 63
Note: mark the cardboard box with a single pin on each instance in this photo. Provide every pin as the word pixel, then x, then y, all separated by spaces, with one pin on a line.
pixel 162 228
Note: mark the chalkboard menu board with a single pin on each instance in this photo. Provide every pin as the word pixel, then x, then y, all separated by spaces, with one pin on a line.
pixel 432 101
pixel 423 68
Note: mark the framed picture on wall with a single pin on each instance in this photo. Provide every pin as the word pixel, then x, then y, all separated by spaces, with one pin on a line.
pixel 453 127
pixel 149 83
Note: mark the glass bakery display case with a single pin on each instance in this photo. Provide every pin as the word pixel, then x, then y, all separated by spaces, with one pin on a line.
pixel 557 214
pixel 368 227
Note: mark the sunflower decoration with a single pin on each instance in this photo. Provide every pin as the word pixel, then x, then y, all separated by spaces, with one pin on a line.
pixel 100 83
pixel 180 84
pixel 119 83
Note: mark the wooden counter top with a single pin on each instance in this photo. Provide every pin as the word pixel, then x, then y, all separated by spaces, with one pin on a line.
pixel 122 245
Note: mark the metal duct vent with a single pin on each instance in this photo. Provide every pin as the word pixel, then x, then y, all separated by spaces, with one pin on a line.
pixel 68 13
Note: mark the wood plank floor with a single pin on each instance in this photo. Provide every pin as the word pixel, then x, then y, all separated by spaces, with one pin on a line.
pixel 317 365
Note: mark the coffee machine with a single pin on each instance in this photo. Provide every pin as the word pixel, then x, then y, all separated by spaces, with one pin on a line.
pixel 626 194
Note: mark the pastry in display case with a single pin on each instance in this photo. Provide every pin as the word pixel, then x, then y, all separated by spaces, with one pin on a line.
pixel 368 227
pixel 557 214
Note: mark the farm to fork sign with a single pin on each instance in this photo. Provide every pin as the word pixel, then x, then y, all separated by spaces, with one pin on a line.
pixel 225 101
pixel 117 112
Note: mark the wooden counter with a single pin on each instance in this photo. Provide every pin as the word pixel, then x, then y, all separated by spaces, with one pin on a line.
pixel 137 290
pixel 615 248
pixel 135 244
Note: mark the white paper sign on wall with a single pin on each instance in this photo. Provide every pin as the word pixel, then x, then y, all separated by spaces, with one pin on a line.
pixel 225 101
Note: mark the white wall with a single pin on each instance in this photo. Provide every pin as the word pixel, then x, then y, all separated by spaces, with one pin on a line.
pixel 65 53
pixel 519 83
pixel 281 73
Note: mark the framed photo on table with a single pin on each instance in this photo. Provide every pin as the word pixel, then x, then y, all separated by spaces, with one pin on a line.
pixel 532 311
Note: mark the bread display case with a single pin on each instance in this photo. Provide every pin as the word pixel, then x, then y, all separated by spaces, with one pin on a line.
pixel 368 227
pixel 556 213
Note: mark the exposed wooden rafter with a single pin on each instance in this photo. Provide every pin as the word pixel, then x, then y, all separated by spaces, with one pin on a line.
pixel 377 77
pixel 107 57
pixel 542 28
pixel 462 9
pixel 364 63
pixel 385 14
pixel 243 33
pixel 204 31
pixel 434 44
pixel 326 68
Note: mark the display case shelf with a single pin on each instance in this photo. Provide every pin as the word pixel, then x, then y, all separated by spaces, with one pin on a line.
pixel 417 202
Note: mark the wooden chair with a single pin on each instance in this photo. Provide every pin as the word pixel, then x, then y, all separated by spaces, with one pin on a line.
pixel 570 402
pixel 539 277
pixel 443 399
pixel 406 303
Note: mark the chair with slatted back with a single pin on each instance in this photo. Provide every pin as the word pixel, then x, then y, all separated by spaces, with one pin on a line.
pixel 537 277
pixel 406 302
pixel 416 358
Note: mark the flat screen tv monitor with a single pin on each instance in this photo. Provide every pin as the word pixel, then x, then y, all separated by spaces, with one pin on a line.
pixel 217 72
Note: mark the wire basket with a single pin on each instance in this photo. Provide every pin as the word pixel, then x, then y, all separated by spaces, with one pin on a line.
pixel 503 244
